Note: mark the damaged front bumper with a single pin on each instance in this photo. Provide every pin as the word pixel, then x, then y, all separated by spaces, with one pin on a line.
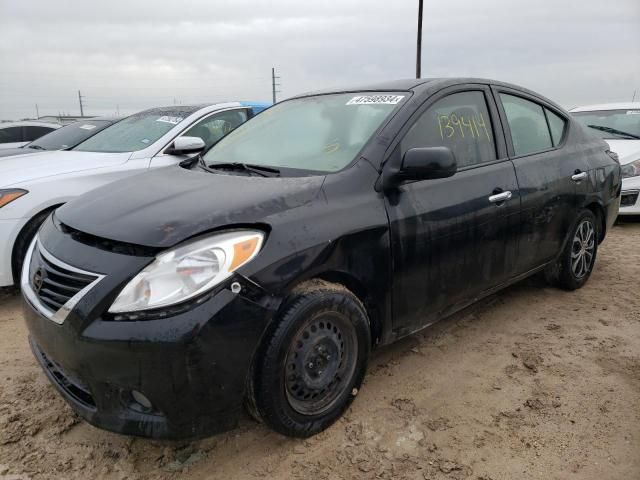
pixel 180 376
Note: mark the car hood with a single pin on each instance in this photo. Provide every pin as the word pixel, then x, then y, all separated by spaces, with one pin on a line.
pixel 25 168
pixel 163 207
pixel 10 152
pixel 627 150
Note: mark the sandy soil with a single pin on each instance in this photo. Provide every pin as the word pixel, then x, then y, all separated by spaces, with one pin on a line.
pixel 530 383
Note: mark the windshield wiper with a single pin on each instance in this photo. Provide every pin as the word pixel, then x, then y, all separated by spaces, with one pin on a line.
pixel 36 147
pixel 257 169
pixel 615 131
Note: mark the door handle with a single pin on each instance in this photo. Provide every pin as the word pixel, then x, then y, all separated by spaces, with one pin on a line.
pixel 500 197
pixel 576 177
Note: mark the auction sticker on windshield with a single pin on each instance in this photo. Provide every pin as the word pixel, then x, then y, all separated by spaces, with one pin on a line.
pixel 170 119
pixel 375 99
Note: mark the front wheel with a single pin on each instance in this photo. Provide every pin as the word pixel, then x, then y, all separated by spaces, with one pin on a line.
pixel 576 263
pixel 312 364
pixel 23 241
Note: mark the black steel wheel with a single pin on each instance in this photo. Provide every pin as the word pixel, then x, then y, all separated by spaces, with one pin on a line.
pixel 319 362
pixel 312 363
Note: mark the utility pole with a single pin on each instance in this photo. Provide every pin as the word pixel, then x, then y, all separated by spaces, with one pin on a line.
pixel 80 97
pixel 37 112
pixel 634 96
pixel 419 42
pixel 274 84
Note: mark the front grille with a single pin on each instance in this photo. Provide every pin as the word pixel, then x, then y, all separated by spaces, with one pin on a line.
pixel 628 199
pixel 53 282
pixel 71 384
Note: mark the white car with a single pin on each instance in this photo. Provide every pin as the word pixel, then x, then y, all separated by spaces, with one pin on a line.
pixel 619 125
pixel 18 134
pixel 32 186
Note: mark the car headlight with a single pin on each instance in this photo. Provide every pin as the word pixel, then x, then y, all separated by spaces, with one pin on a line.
pixel 631 169
pixel 9 195
pixel 188 270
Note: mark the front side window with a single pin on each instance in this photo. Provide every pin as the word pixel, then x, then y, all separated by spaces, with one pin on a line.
pixel 131 134
pixel 33 132
pixel 323 133
pixel 459 121
pixel 612 124
pixel 213 128
pixel 69 135
pixel 11 134
pixel 528 125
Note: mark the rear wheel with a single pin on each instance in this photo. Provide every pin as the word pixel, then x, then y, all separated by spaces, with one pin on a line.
pixel 576 263
pixel 313 363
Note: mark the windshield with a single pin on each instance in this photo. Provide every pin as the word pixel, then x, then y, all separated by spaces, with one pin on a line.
pixel 322 133
pixel 614 124
pixel 131 134
pixel 69 135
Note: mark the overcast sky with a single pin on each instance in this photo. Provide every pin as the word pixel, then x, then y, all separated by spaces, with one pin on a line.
pixel 136 54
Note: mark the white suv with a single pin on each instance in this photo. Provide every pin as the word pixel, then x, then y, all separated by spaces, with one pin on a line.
pixel 31 186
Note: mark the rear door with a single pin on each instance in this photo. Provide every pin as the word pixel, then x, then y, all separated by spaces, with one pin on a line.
pixel 550 176
pixel 456 237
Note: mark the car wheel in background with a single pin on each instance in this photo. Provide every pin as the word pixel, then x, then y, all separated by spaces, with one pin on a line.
pixel 312 363
pixel 576 262
pixel 23 241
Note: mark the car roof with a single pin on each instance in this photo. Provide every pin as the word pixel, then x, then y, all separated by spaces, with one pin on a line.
pixel 393 85
pixel 111 119
pixel 186 110
pixel 608 106
pixel 420 85
pixel 29 123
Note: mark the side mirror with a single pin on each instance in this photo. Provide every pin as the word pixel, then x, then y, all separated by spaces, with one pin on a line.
pixel 185 145
pixel 428 163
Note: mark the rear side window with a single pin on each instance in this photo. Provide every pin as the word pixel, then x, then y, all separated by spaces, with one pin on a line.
pixel 31 133
pixel 528 125
pixel 557 125
pixel 459 121
pixel 11 135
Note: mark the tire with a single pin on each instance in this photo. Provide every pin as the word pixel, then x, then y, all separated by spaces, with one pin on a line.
pixel 576 262
pixel 312 363
pixel 23 242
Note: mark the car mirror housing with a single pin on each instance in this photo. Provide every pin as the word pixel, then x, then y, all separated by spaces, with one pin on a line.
pixel 184 145
pixel 428 163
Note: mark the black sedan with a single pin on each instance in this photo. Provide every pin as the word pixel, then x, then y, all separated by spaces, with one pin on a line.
pixel 264 271
pixel 63 138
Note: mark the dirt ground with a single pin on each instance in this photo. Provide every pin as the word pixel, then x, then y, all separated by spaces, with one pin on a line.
pixel 530 383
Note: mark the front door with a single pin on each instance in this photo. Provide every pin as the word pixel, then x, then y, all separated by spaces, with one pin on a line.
pixel 453 238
